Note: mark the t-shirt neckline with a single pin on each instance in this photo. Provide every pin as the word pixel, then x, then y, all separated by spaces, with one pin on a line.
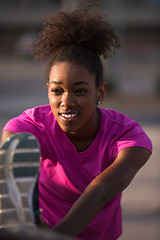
pixel 94 142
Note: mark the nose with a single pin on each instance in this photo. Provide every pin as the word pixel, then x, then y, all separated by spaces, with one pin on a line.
pixel 67 100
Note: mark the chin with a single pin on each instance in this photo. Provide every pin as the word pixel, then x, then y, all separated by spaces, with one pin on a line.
pixel 70 130
pixel 67 129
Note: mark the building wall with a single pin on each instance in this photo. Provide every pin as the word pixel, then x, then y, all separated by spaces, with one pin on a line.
pixel 135 68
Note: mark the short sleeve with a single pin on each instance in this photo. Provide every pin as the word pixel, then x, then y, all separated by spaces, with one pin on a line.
pixel 24 123
pixel 131 136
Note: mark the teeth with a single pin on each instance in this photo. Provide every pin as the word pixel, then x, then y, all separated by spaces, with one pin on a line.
pixel 68 115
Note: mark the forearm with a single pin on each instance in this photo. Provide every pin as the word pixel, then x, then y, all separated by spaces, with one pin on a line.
pixel 81 213
pixel 98 192
pixel 102 189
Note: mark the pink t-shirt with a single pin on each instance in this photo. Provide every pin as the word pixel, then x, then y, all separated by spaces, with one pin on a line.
pixel 65 173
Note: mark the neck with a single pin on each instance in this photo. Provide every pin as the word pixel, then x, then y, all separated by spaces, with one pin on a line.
pixel 82 140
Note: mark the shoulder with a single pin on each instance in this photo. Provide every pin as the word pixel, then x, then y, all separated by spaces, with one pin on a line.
pixel 33 118
pixel 40 115
pixel 114 119
pixel 39 112
pixel 122 131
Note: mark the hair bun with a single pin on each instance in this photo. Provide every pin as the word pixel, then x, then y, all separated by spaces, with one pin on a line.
pixel 80 27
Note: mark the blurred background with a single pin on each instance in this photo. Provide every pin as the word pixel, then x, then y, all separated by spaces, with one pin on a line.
pixel 133 77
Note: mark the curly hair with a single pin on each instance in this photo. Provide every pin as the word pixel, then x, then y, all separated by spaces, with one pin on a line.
pixel 80 36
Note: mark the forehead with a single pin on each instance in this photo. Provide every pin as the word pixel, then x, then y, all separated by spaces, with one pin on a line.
pixel 70 71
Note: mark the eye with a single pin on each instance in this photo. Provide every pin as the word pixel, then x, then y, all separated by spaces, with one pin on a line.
pixel 81 91
pixel 56 91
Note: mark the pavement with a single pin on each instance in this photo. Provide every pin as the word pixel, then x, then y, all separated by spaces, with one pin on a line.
pixel 21 87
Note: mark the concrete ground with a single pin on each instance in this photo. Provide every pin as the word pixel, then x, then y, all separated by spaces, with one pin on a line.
pixel 22 87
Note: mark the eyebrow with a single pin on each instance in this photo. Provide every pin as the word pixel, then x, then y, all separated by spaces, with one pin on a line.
pixel 80 82
pixel 76 83
pixel 55 82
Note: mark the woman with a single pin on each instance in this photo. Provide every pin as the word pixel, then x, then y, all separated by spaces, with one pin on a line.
pixel 89 155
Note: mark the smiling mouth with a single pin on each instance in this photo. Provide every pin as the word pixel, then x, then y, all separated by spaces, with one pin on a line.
pixel 68 116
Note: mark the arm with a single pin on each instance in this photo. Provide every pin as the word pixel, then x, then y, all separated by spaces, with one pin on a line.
pixel 6 135
pixel 103 188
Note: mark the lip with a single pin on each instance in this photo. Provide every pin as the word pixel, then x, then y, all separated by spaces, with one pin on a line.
pixel 68 116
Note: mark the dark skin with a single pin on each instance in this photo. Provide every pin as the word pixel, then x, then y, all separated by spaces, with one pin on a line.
pixel 81 133
pixel 72 91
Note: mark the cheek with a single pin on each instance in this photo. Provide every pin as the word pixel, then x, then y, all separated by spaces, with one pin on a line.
pixel 88 105
pixel 53 101
pixel 92 100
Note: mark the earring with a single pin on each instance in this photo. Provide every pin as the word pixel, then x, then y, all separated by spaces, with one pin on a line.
pixel 98 102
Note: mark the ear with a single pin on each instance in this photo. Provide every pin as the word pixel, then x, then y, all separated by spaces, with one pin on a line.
pixel 101 92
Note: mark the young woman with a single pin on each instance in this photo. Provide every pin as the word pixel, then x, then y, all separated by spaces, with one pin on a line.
pixel 89 155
